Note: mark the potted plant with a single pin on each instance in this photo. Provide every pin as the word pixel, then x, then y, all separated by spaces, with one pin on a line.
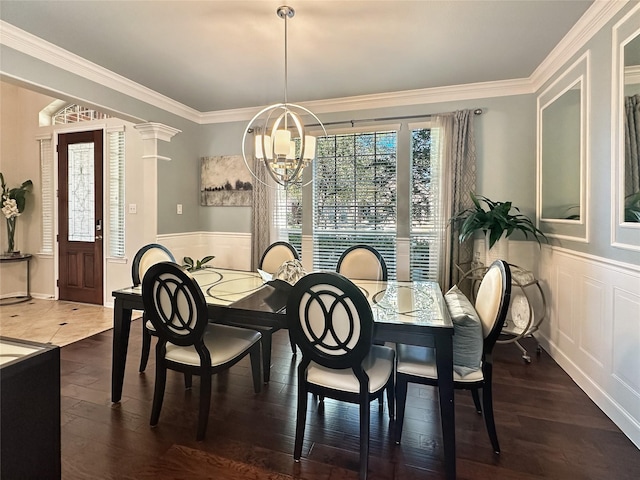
pixel 14 201
pixel 192 265
pixel 495 220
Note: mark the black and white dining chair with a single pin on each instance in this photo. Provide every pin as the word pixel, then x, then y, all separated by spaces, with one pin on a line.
pixel 275 255
pixel 272 258
pixel 476 330
pixel 144 258
pixel 187 342
pixel 362 262
pixel 332 324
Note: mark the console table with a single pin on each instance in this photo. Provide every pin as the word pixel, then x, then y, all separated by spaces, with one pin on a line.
pixel 24 257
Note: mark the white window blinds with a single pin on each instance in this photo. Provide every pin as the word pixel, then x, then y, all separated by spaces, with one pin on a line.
pixel 47 194
pixel 425 206
pixel 288 215
pixel 116 223
pixel 355 196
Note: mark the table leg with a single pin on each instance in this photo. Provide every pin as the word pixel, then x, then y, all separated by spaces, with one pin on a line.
pixel 444 365
pixel 121 328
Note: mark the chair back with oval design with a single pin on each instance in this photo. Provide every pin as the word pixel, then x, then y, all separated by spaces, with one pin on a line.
pixel 362 262
pixel 276 254
pixel 330 320
pixel 146 257
pixel 174 303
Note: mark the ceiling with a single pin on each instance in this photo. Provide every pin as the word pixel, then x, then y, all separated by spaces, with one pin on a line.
pixel 221 55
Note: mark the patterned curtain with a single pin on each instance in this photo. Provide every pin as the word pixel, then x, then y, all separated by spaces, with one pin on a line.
pixel 632 145
pixel 262 204
pixel 457 150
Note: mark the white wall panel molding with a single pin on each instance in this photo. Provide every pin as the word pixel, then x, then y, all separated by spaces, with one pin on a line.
pixel 232 250
pixel 593 331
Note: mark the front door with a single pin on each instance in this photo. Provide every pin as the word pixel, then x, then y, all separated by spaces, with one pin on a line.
pixel 80 217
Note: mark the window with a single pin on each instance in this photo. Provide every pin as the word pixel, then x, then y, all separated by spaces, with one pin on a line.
pixel 354 196
pixel 355 200
pixel 75 113
pixel 425 197
pixel 46 192
pixel 116 224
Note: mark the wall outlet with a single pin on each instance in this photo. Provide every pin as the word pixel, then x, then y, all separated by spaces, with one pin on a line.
pixel 133 208
pixel 179 209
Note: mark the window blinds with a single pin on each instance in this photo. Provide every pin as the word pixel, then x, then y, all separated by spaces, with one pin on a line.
pixel 46 192
pixel 425 199
pixel 354 196
pixel 116 224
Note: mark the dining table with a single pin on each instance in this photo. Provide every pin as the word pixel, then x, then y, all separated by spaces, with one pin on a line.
pixel 410 312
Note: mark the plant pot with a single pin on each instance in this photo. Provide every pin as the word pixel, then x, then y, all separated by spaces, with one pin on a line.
pixel 499 251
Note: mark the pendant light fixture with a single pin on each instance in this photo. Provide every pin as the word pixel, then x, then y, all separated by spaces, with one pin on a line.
pixel 281 142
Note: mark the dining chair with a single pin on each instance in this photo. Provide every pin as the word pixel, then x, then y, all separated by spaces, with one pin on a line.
pixel 272 258
pixel 362 262
pixel 145 257
pixel 332 324
pixel 475 329
pixel 275 255
pixel 187 342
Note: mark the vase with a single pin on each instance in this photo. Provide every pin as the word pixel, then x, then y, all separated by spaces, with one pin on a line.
pixel 499 251
pixel 11 235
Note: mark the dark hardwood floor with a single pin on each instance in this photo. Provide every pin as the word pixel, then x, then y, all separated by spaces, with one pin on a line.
pixel 547 427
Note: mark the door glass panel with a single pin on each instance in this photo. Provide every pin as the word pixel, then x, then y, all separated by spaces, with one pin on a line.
pixel 81 193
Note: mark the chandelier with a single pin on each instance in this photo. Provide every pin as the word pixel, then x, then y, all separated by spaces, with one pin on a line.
pixel 281 142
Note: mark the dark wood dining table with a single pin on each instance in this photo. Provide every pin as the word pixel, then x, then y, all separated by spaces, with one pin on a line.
pixel 404 312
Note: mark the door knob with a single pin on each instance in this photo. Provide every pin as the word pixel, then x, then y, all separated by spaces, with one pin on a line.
pixel 98 237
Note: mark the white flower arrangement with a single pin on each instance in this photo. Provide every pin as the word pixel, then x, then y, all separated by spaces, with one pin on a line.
pixel 10 208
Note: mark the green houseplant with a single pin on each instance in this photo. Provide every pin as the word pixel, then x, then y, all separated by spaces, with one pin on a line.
pixel 192 265
pixel 14 201
pixel 495 221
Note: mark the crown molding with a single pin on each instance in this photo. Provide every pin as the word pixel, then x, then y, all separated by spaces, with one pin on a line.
pixel 596 16
pixel 36 47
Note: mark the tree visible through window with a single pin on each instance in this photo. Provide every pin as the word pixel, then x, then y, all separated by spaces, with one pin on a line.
pixel 355 196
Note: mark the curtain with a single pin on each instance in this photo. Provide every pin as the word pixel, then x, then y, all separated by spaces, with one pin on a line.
pixel 457 150
pixel 632 145
pixel 262 204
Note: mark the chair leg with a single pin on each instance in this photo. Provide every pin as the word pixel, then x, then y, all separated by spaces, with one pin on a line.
pixel 266 342
pixel 476 399
pixel 292 343
pixel 364 436
pixel 146 345
pixel 381 402
pixel 254 355
pixel 391 397
pixel 487 407
pixel 401 400
pixel 158 392
pixel 205 404
pixel 301 417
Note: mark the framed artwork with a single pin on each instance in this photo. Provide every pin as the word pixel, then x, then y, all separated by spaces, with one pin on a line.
pixel 225 182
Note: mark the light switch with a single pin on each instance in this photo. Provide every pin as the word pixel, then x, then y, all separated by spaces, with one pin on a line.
pixel 179 209
pixel 133 208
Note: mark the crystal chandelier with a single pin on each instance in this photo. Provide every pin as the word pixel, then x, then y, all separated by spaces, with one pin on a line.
pixel 281 142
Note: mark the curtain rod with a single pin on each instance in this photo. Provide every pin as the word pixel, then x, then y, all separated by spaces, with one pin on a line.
pixel 477 111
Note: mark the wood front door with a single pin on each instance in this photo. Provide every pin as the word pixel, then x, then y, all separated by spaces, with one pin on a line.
pixel 80 217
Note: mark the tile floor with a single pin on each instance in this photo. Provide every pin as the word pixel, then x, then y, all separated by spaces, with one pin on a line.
pixel 53 321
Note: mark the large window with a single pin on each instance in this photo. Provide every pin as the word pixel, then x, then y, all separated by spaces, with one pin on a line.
pixel 425 205
pixel 354 196
pixel 356 200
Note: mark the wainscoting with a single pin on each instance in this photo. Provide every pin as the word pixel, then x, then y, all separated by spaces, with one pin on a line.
pixel 593 330
pixel 232 250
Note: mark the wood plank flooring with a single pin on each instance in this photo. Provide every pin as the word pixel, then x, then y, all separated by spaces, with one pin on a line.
pixel 548 428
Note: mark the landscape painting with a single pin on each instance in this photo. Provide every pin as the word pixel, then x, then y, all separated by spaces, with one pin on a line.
pixel 225 182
